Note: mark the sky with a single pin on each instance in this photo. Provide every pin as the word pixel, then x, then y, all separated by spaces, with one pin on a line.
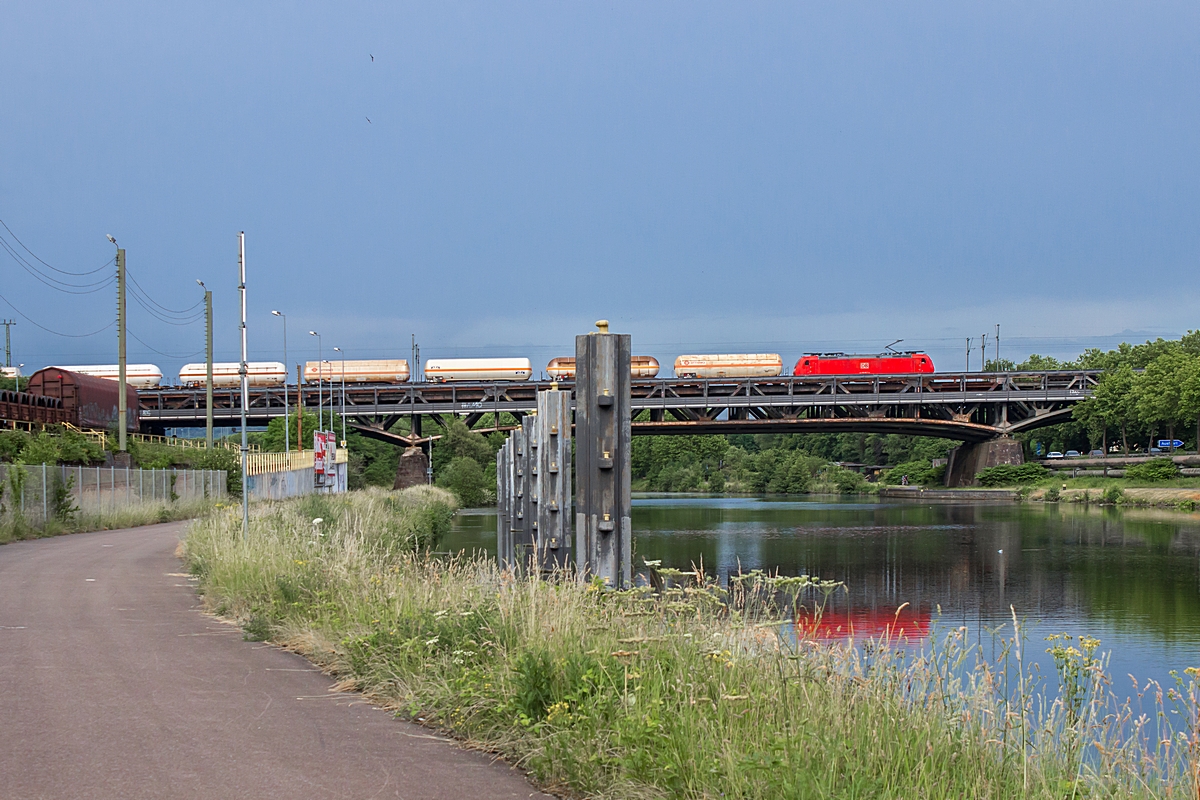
pixel 494 177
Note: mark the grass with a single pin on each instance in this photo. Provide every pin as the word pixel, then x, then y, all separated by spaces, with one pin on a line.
pixel 15 528
pixel 693 692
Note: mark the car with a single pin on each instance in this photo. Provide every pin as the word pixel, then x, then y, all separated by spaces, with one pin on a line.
pixel 1054 454
pixel 1073 454
pixel 1155 450
pixel 1095 454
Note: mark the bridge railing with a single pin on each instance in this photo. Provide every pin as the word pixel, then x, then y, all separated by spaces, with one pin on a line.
pixel 264 463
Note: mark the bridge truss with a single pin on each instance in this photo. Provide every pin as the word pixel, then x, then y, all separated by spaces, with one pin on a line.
pixel 970 407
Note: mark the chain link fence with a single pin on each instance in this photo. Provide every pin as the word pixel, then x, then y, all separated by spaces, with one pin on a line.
pixel 40 492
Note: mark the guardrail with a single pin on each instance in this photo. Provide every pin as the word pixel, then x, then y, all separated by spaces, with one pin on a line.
pixel 101 438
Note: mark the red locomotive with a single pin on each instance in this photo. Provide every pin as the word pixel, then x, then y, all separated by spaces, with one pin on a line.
pixel 892 363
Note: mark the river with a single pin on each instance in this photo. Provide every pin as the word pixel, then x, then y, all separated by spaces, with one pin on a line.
pixel 1129 577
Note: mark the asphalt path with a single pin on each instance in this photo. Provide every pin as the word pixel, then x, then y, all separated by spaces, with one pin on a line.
pixel 113 684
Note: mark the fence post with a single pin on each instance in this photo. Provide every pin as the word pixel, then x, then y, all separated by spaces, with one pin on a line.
pixel 127 497
pixel 504 505
pixel 45 509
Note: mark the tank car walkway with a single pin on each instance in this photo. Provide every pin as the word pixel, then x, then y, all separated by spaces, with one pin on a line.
pixel 114 685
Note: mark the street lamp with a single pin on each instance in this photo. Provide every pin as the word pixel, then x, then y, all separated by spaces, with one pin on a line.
pixel 18 377
pixel 338 349
pixel 208 363
pixel 287 444
pixel 319 370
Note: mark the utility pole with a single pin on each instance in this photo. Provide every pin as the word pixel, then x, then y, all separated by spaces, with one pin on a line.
pixel 287 446
pixel 8 323
pixel 299 408
pixel 122 401
pixel 997 344
pixel 320 369
pixel 243 371
pixel 968 354
pixel 982 352
pixel 208 359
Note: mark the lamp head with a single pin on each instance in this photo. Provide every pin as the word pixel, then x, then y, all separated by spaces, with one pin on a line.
pixel 277 314
pixel 200 283
pixel 313 333
pixel 110 238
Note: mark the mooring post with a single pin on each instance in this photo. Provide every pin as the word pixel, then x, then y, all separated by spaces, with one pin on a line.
pixel 518 517
pixel 554 480
pixel 504 505
pixel 603 532
pixel 526 546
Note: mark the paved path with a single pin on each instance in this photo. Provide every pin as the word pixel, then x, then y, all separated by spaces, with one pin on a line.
pixel 114 685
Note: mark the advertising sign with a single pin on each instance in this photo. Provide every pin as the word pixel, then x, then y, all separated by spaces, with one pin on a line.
pixel 319 454
pixel 330 469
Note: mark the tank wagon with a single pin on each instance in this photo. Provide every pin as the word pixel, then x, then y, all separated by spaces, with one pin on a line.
pixel 851 364
pixel 143 376
pixel 478 369
pixel 640 367
pixel 364 371
pixel 88 401
pixel 735 365
pixel 259 374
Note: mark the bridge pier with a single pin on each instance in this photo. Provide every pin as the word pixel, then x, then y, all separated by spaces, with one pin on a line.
pixel 967 460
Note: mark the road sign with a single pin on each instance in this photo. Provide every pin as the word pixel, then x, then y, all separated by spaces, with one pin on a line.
pixel 1170 443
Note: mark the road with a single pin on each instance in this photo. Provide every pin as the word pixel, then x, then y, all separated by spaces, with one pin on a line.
pixel 114 685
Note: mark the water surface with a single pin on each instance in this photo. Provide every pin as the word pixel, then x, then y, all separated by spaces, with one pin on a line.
pixel 1128 577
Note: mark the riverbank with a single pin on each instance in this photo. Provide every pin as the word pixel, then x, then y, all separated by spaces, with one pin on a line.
pixel 697 692
pixel 14 528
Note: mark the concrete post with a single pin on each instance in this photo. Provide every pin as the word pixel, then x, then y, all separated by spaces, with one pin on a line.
pixel 603 531
pixel 554 480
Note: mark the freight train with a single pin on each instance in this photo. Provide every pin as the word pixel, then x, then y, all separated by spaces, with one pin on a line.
pixel 87 401
pixel 716 366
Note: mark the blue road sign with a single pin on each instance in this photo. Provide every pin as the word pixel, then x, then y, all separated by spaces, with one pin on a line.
pixel 1165 443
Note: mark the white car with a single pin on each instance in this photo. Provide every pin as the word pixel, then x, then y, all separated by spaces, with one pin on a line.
pixel 1054 454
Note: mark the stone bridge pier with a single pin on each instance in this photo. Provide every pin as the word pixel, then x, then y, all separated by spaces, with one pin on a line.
pixel 967 460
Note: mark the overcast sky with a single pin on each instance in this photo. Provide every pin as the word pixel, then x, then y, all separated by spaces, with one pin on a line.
pixel 741 176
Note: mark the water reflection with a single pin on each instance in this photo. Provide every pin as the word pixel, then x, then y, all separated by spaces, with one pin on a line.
pixel 1130 577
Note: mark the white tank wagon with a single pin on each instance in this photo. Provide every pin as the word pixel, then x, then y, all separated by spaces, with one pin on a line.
pixel 260 374
pixel 394 370
pixel 732 365
pixel 478 369
pixel 140 376
pixel 640 367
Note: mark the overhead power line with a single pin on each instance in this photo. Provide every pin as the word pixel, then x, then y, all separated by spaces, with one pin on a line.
pixel 50 266
pixel 36 324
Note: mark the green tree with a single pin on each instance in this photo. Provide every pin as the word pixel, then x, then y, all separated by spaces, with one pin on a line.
pixel 1159 389
pixel 466 479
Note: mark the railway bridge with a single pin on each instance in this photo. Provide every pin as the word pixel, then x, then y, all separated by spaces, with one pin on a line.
pixel 972 407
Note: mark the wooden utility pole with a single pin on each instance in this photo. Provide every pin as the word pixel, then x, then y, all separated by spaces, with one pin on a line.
pixel 8 323
pixel 603 529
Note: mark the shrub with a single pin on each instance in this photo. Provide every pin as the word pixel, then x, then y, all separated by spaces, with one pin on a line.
pixel 920 472
pixel 847 481
pixel 1113 495
pixel 1011 474
pixel 464 477
pixel 1154 470
pixel 1052 495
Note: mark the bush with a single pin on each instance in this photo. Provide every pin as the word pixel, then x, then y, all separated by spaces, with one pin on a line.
pixel 464 477
pixel 1052 495
pixel 918 472
pixel 1155 470
pixel 847 481
pixel 1011 474
pixel 1113 495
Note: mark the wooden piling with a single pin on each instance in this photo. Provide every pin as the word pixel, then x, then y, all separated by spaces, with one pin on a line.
pixel 553 480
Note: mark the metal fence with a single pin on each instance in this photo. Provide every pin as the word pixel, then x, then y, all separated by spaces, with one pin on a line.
pixel 38 491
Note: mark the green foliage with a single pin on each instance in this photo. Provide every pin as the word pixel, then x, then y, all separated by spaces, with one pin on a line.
pixel 466 479
pixel 918 472
pixel 272 440
pixel 11 444
pixel 459 441
pixel 54 445
pixel 1154 470
pixel 1052 495
pixel 1113 495
pixel 1011 474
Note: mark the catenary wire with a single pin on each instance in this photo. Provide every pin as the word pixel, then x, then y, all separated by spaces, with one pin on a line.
pixel 25 317
pixel 55 283
pixel 56 269
pixel 160 352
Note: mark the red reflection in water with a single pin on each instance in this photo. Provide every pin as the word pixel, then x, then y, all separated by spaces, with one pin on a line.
pixel 864 624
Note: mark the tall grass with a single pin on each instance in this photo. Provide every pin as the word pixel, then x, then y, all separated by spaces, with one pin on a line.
pixel 14 527
pixel 694 691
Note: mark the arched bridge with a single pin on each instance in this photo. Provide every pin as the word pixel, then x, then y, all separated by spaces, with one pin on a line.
pixel 970 407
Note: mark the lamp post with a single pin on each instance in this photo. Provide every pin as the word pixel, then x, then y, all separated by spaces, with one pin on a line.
pixel 338 349
pixel 320 369
pixel 287 446
pixel 18 378
pixel 208 363
pixel 122 403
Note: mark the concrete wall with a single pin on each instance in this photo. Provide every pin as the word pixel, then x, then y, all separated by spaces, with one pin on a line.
pixel 290 483
pixel 967 460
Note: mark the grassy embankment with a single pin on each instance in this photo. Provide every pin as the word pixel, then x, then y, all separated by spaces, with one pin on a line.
pixel 13 527
pixel 693 693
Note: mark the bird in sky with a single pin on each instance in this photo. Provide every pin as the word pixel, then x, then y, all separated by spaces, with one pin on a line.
pixel 372 57
pixel 369 121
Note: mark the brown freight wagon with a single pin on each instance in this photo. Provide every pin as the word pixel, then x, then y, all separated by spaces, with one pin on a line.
pixel 88 402
pixel 25 407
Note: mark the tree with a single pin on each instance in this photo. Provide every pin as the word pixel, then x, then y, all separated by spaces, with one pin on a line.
pixel 1159 389
pixel 466 479
pixel 459 441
